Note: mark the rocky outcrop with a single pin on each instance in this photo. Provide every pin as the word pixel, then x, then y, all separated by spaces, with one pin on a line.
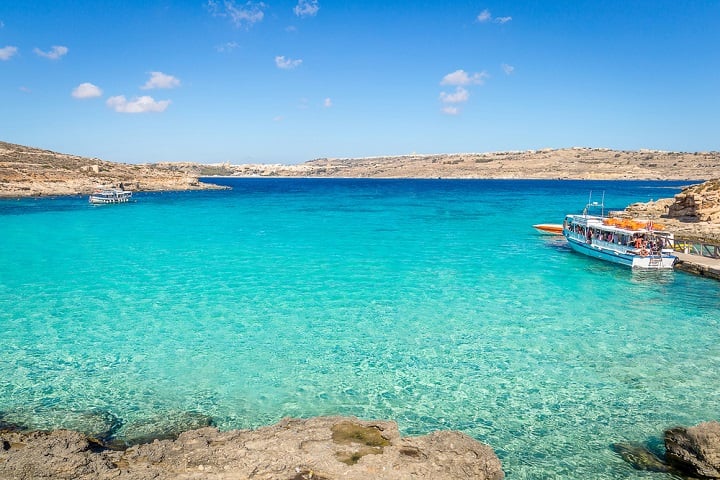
pixel 698 203
pixel 317 448
pixel 693 213
pixel 690 452
pixel 695 450
pixel 26 172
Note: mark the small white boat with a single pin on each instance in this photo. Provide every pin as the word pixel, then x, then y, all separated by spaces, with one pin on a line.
pixel 633 243
pixel 110 195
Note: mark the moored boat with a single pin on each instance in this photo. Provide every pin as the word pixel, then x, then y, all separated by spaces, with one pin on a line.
pixel 110 195
pixel 633 243
pixel 549 228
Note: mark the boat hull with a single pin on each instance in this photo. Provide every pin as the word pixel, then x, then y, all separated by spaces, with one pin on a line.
pixel 549 228
pixel 105 197
pixel 660 261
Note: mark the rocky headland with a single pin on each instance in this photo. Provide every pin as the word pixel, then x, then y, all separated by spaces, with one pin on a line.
pixel 31 172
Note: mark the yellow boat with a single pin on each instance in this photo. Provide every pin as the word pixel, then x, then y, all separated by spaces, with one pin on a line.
pixel 549 228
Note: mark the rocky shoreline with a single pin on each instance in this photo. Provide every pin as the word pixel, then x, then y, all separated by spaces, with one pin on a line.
pixel 320 448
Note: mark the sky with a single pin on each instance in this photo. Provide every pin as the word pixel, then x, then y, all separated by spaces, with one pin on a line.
pixel 287 81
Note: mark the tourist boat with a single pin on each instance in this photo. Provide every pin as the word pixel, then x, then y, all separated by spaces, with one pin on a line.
pixel 549 228
pixel 634 243
pixel 110 195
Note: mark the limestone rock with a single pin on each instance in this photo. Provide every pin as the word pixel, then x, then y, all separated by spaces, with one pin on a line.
pixel 698 203
pixel 316 448
pixel 695 450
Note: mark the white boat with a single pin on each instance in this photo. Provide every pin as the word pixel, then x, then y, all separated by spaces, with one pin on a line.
pixel 110 195
pixel 633 243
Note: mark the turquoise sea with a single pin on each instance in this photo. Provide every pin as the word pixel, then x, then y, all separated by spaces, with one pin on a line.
pixel 430 302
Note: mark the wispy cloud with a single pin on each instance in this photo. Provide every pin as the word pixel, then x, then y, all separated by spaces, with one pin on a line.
pixel 227 47
pixel 508 69
pixel 327 103
pixel 287 63
pixel 6 53
pixel 86 90
pixel 306 8
pixel 486 17
pixel 461 77
pixel 55 52
pixel 137 105
pixel 160 80
pixel 2 24
pixel 460 95
pixel 450 101
pixel 241 15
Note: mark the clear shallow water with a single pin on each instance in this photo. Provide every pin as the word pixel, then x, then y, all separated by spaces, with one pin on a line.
pixel 433 303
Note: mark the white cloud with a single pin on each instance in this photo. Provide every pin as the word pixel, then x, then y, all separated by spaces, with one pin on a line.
pixel 306 8
pixel 137 105
pixel 327 103
pixel 461 77
pixel 278 118
pixel 286 63
pixel 241 15
pixel 160 80
pixel 6 53
pixel 86 90
pixel 460 95
pixel 508 69
pixel 484 16
pixel 451 110
pixel 55 52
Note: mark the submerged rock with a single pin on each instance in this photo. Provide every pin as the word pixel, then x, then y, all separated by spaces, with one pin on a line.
pixel 167 426
pixel 291 449
pixel 695 450
pixel 97 424
pixel 640 457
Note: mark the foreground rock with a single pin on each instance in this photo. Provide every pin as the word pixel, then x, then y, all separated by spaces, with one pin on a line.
pixel 318 448
pixel 695 450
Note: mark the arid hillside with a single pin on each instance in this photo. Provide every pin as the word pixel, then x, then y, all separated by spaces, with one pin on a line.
pixel 26 171
pixel 568 163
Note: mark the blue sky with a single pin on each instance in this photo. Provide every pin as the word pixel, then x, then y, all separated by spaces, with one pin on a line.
pixel 292 80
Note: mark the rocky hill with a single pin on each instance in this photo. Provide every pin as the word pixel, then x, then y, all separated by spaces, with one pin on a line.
pixel 26 171
pixel 568 163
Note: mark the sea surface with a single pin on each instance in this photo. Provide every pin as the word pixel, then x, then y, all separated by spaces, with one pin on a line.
pixel 431 302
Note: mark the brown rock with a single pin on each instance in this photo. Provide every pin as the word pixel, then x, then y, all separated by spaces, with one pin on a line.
pixel 292 449
pixel 695 450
